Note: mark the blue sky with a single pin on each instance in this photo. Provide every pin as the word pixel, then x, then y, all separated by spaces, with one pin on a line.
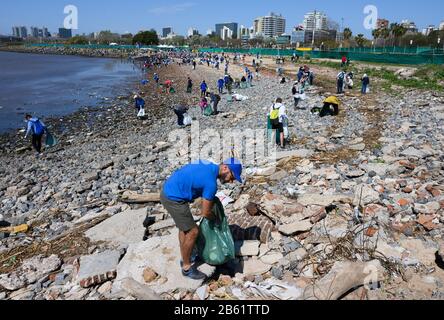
pixel 135 15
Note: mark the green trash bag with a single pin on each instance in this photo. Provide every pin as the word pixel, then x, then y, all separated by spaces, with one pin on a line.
pixel 208 111
pixel 215 244
pixel 50 141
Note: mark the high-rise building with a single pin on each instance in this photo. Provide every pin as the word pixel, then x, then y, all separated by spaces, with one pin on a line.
pixel 410 26
pixel 192 32
pixel 226 33
pixel 320 35
pixel 166 31
pixel 315 21
pixel 210 32
pixel 270 26
pixel 298 35
pixel 221 30
pixel 65 33
pixel 441 26
pixel 429 30
pixel 382 24
pixel 34 32
pixel 23 32
pixel 15 31
pixel 20 32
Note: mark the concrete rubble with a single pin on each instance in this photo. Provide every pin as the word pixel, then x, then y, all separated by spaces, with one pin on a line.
pixel 358 195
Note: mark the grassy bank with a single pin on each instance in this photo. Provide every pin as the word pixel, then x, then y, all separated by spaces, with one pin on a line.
pixel 426 77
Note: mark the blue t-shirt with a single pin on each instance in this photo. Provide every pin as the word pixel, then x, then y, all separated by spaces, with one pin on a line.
pixel 193 181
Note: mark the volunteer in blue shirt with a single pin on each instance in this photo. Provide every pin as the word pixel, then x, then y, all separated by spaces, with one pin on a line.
pixel 37 128
pixel 193 181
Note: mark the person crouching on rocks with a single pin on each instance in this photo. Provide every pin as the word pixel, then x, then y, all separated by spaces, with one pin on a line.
pixel 140 105
pixel 193 181
pixel 180 111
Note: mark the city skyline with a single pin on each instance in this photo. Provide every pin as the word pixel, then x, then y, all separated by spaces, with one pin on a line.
pixel 123 18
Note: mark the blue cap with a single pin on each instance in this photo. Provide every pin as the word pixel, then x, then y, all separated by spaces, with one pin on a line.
pixel 235 167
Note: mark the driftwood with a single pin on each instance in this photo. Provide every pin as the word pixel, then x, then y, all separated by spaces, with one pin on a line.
pixel 17 229
pixel 133 197
pixel 343 277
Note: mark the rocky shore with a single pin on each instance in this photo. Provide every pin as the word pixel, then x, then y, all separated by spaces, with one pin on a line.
pixel 355 196
pixel 96 53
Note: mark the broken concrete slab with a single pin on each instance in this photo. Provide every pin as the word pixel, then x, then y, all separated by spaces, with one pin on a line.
pixel 272 258
pixel 343 277
pixel 276 206
pixel 163 225
pixel 98 268
pixel 108 212
pixel 92 176
pixel 121 229
pixel 354 173
pixel 296 227
pixel 332 227
pixel 162 255
pixel 242 202
pixel 380 169
pixel 364 195
pixel 421 250
pixel 30 271
pixel 138 290
pixel 253 267
pixel 357 147
pixel 247 248
pixel 413 152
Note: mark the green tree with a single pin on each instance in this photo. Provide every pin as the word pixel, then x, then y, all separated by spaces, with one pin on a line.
pixel 146 37
pixel 107 37
pixel 78 40
pixel 376 33
pixel 347 33
pixel 397 31
pixel 360 40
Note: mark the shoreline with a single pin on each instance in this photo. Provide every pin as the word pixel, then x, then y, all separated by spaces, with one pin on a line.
pixel 91 53
pixel 126 85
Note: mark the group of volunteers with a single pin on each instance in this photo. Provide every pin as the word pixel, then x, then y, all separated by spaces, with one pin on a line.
pixel 199 179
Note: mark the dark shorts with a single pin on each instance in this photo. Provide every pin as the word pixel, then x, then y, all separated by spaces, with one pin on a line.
pixel 276 125
pixel 180 212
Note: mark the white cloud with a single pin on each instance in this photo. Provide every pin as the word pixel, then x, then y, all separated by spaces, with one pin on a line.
pixel 172 9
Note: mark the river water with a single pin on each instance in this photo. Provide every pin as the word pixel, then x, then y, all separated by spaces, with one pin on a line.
pixel 54 85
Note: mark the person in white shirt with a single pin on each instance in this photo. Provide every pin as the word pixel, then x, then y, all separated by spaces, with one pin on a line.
pixel 277 114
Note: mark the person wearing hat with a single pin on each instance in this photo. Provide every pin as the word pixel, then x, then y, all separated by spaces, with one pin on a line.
pixel 193 181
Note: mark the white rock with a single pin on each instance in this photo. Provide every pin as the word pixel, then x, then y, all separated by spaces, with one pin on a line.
pixel 367 196
pixel 161 254
pixel 412 152
pixel 203 292
pixel 247 248
pixel 293 228
pixel 242 202
pixel 123 228
pixel 255 267
pixel 357 147
pixel 272 258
